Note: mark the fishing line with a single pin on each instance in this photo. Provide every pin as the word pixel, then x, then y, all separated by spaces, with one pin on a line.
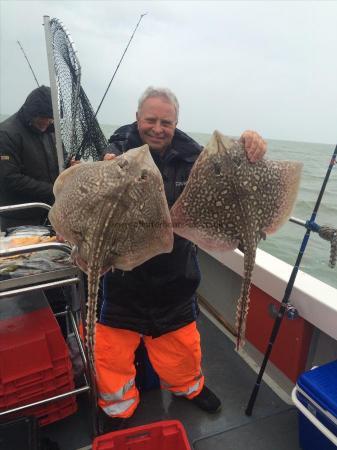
pixel 311 226
pixel 24 54
pixel 119 63
pixel 78 153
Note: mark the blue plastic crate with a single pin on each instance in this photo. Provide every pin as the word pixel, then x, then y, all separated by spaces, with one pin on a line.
pixel 316 390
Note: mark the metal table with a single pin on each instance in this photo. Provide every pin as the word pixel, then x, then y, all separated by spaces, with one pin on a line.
pixel 74 311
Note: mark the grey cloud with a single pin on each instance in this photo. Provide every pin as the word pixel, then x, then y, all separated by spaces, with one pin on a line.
pixel 268 66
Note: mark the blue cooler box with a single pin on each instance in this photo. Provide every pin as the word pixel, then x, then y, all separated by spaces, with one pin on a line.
pixel 315 395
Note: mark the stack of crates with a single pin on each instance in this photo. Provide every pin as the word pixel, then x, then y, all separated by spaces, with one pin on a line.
pixel 34 359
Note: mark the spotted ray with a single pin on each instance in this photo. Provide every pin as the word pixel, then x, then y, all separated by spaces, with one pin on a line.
pixel 229 201
pixel 116 216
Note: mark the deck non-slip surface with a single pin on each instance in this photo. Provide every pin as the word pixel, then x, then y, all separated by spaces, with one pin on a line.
pixel 273 425
pixel 277 432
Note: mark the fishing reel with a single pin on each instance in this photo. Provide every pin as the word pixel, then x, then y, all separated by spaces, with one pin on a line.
pixel 290 311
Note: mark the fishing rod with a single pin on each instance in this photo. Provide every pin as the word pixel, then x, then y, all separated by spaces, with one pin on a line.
pixel 119 63
pixel 78 153
pixel 311 226
pixel 24 54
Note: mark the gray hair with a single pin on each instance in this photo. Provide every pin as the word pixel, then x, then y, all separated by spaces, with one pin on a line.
pixel 160 92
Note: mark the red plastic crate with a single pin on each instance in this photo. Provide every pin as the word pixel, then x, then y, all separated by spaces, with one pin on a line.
pixel 30 344
pixel 50 412
pixel 25 358
pixel 62 369
pixel 20 369
pixel 27 326
pixel 165 435
pixel 38 391
pixel 57 346
pixel 34 365
pixel 54 411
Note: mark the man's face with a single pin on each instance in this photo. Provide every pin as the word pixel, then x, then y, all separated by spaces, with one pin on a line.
pixel 41 123
pixel 157 120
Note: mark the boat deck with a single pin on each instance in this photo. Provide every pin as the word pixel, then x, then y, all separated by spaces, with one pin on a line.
pixel 273 425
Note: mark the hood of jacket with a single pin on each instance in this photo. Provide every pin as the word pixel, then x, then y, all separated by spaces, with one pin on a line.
pixel 37 104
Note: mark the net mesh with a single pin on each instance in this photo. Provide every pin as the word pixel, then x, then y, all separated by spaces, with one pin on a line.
pixel 82 137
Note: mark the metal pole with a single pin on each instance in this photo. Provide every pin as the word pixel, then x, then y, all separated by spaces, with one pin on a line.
pixel 298 221
pixel 54 94
pixel 289 289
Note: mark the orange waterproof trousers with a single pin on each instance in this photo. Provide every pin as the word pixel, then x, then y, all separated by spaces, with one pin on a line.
pixel 175 356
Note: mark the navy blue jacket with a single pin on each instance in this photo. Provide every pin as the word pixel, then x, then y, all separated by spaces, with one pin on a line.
pixel 159 295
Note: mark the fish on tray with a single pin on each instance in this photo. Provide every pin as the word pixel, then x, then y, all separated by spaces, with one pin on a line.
pixel 230 202
pixel 115 214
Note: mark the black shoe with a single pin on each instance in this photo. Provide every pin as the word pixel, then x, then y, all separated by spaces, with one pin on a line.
pixel 107 424
pixel 207 401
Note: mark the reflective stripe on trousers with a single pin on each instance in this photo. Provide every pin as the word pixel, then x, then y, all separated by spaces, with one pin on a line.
pixel 175 356
pixel 119 395
pixel 116 409
pixel 195 389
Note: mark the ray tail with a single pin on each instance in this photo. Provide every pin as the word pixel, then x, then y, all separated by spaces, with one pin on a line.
pixel 243 302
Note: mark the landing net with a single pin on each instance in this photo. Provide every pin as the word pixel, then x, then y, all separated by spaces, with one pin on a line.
pixel 81 135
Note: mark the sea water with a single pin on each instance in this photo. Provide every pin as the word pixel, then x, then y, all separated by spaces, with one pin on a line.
pixel 286 242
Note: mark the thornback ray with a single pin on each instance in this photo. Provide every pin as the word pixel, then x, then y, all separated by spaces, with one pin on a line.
pixel 115 215
pixel 230 202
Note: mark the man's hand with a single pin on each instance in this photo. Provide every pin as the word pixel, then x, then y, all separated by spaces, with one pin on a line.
pixel 74 161
pixel 255 146
pixel 109 156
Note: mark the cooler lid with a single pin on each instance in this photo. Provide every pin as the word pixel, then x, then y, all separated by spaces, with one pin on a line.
pixel 320 384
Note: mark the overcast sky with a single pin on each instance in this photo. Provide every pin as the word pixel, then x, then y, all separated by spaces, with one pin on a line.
pixel 268 66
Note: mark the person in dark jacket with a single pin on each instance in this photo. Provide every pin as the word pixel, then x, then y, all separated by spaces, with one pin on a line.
pixel 28 159
pixel 156 300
